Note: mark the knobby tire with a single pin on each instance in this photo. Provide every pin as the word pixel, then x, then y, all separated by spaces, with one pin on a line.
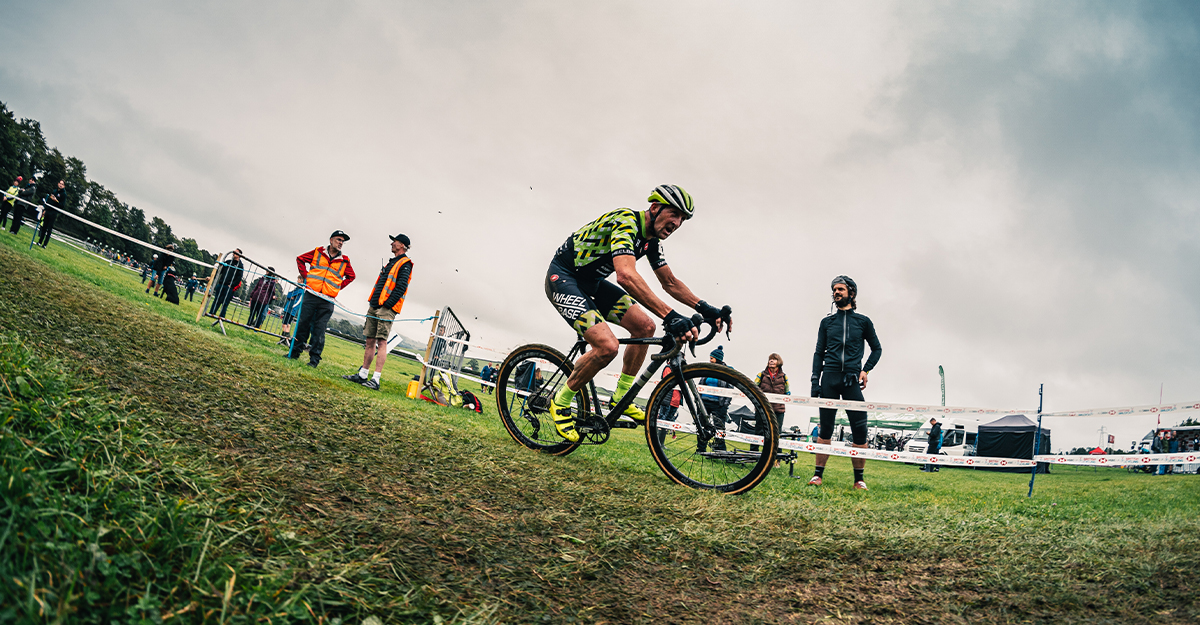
pixel 526 417
pixel 737 469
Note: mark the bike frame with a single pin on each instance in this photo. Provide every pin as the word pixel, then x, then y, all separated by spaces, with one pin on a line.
pixel 672 353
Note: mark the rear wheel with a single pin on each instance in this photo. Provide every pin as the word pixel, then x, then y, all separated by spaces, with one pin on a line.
pixel 711 453
pixel 525 385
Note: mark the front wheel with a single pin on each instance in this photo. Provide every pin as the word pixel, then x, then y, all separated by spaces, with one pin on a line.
pixel 721 448
pixel 525 385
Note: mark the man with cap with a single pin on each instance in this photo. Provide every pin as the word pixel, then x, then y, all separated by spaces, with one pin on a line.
pixel 838 372
pixel 28 194
pixel 716 406
pixel 9 201
pixel 387 298
pixel 326 271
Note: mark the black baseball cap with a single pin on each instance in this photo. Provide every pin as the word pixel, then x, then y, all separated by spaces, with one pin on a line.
pixel 403 238
pixel 339 233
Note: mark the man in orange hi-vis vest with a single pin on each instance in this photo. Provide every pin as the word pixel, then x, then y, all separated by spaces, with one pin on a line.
pixel 326 271
pixel 387 298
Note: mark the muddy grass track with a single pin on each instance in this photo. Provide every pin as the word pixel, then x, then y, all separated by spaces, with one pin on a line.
pixel 407 511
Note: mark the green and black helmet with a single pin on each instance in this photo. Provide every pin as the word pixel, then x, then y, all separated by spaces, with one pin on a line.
pixel 675 196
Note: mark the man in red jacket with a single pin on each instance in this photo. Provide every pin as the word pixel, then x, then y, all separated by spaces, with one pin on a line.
pixel 326 271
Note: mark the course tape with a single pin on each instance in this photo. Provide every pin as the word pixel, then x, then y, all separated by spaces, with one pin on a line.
pixel 129 238
pixel 1128 410
pixel 847 404
pixel 1119 460
pixel 859 452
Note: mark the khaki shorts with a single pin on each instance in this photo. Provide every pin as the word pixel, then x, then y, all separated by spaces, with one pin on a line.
pixel 379 323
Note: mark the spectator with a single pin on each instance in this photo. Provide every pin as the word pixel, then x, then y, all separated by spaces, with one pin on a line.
pixel 8 205
pixel 158 270
pixel 190 287
pixel 146 270
pixel 29 193
pixel 839 373
pixel 262 292
pixel 935 444
pixel 386 300
pixel 291 309
pixel 486 376
pixel 227 281
pixel 773 380
pixel 169 287
pixel 52 203
pixel 715 405
pixel 668 412
pixel 326 271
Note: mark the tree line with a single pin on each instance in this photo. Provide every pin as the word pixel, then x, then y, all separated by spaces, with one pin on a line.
pixel 24 152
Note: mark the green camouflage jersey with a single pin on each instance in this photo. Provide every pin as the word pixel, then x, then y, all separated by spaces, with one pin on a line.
pixel 589 252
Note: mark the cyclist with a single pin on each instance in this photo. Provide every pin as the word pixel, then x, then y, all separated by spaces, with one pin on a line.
pixel 576 285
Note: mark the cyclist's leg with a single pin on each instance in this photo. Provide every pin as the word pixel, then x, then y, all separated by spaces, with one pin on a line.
pixel 603 350
pixel 574 303
pixel 618 307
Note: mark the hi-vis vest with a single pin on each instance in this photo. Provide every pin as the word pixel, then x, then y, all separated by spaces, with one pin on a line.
pixel 390 285
pixel 324 275
pixel 11 198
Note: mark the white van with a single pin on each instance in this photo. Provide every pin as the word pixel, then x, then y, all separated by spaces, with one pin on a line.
pixel 958 438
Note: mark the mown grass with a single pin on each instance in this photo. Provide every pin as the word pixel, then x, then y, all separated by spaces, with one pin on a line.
pixel 186 476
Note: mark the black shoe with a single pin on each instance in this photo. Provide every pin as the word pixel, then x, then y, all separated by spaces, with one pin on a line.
pixel 312 364
pixel 357 379
pixel 371 384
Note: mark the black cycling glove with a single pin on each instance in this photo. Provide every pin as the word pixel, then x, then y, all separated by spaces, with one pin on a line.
pixel 816 390
pixel 676 324
pixel 708 311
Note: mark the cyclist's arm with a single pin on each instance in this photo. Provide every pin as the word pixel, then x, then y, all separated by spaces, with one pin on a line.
pixel 675 287
pixel 629 279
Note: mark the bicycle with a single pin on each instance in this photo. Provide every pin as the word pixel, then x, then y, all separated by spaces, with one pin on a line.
pixel 690 443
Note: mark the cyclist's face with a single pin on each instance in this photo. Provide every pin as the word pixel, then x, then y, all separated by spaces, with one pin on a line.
pixel 667 221
pixel 840 293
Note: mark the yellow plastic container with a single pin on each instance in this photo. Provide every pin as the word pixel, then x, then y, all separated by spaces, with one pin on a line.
pixel 414 388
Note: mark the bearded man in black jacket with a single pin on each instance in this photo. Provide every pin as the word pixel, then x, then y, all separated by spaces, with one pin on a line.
pixel 838 372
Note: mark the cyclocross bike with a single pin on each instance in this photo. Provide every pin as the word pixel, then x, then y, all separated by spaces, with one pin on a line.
pixel 688 437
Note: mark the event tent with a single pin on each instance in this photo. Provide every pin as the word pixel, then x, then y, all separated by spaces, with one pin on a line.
pixel 1012 437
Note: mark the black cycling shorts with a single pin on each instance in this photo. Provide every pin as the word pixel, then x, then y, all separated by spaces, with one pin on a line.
pixel 585 304
pixel 839 385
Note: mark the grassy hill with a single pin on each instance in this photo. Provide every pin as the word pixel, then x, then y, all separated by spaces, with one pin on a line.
pixel 155 470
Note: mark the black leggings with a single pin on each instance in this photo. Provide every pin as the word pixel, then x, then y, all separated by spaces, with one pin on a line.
pixel 838 385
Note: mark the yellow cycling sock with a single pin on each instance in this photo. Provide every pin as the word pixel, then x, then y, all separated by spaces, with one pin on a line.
pixel 623 385
pixel 565 396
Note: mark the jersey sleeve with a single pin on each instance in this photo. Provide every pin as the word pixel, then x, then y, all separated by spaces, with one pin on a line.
pixel 654 254
pixel 624 231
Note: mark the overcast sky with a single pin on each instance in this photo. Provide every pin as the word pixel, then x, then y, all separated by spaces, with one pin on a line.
pixel 1013 186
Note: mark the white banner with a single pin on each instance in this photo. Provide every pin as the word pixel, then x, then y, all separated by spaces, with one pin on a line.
pixel 858 452
pixel 847 404
pixel 1124 411
pixel 1119 460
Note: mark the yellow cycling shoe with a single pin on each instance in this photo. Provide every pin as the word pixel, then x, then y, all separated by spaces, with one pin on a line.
pixel 564 421
pixel 635 413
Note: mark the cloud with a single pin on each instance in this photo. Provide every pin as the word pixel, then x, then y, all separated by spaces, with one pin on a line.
pixel 1012 185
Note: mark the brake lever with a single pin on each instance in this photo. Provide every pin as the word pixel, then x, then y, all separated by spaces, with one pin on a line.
pixel 697 321
pixel 727 317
